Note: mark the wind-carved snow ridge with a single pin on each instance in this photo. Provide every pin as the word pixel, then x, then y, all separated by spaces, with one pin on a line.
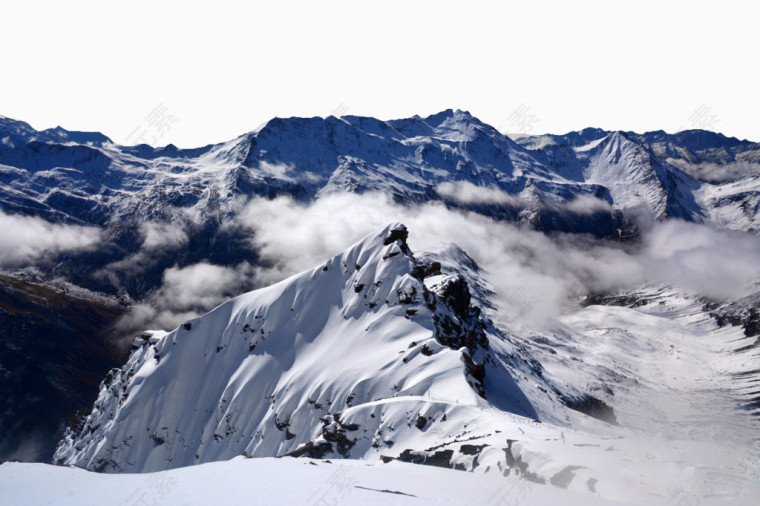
pixel 372 353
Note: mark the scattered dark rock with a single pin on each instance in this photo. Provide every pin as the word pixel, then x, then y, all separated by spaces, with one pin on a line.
pixel 591 406
pixel 424 270
pixel 563 478
pixel 406 298
pixel 519 465
pixel 439 459
pixel 398 234
pixel 738 314
pixel 471 449
pixel 187 325
pixel 631 301
pixel 312 450
pixel 421 422
pixel 281 425
pixel 385 491
pixel 334 431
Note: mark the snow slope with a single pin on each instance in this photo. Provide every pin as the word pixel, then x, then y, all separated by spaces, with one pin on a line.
pixel 277 481
pixel 352 358
pixel 380 356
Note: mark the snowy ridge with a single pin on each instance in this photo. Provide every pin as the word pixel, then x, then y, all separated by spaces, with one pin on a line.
pixel 379 355
pixel 353 358
pixel 96 181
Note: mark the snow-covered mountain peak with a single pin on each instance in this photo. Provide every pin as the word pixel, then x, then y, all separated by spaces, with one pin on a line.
pixel 333 361
pixel 14 133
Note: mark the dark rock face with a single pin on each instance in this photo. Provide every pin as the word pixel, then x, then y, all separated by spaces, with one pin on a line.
pixel 471 449
pixel 54 351
pixel 335 440
pixel 398 234
pixel 517 464
pixel 423 270
pixel 334 431
pixel 591 406
pixel 459 325
pixel 748 318
pixel 312 450
pixel 740 313
pixel 440 458
pixel 456 294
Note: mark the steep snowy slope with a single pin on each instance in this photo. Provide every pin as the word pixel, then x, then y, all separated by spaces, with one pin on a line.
pixel 353 358
pixel 635 178
pixel 380 355
pixel 696 175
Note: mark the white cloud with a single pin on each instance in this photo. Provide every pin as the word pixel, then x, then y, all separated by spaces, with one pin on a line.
pixel 277 170
pixel 536 277
pixel 717 263
pixel 162 235
pixel 587 204
pixel 26 240
pixel 465 192
pixel 185 293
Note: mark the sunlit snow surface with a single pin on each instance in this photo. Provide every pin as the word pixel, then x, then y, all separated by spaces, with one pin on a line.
pixel 347 353
pixel 276 481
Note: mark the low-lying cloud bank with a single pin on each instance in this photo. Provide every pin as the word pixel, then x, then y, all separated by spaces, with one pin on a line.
pixel 26 240
pixel 539 276
pixel 186 293
pixel 536 277
pixel 467 193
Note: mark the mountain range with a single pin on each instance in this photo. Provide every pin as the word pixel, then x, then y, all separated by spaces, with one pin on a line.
pixel 592 181
pixel 382 353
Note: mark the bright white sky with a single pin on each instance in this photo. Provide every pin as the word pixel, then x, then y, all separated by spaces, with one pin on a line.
pixel 219 69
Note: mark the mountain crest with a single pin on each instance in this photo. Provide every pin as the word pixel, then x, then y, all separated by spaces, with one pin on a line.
pixel 327 362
